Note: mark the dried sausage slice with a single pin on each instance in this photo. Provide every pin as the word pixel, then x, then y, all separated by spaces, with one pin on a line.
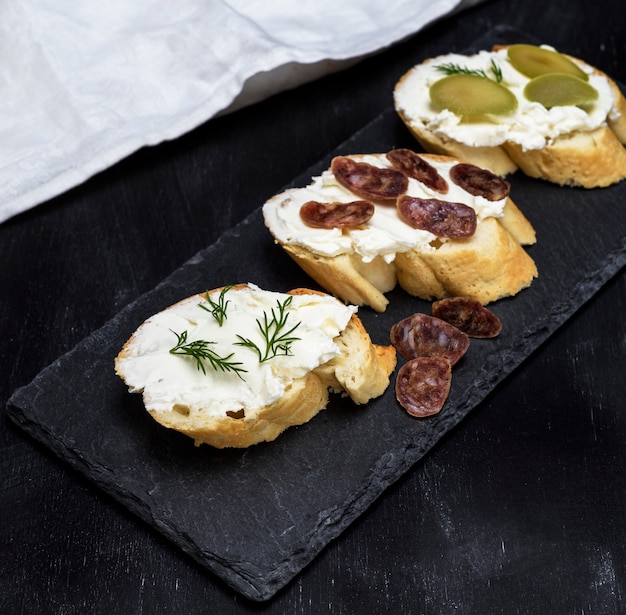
pixel 423 385
pixel 468 315
pixel 421 335
pixel 442 218
pixel 336 215
pixel 480 182
pixel 415 166
pixel 367 181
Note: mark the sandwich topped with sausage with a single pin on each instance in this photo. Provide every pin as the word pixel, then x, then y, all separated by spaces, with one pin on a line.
pixel 433 224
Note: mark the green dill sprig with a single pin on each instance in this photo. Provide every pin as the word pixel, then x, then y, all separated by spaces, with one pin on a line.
pixel 496 70
pixel 199 350
pixel 451 68
pixel 217 309
pixel 277 339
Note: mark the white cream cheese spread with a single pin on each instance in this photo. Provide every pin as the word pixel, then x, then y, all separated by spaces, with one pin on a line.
pixel 385 235
pixel 168 380
pixel 532 126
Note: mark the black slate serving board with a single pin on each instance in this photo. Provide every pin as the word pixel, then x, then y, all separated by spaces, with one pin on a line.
pixel 256 517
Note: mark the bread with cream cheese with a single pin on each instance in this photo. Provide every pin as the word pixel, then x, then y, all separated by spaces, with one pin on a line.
pixel 361 265
pixel 251 401
pixel 567 145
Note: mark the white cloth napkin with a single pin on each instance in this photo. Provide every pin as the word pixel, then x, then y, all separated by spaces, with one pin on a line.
pixel 85 84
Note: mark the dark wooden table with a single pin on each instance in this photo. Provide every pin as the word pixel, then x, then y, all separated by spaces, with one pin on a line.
pixel 520 509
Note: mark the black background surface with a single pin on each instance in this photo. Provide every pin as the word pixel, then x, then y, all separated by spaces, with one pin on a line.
pixel 518 509
pixel 257 516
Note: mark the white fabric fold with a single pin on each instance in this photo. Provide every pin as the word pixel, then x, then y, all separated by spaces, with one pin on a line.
pixel 85 84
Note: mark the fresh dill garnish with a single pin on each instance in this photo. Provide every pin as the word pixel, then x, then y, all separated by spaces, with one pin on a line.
pixel 451 68
pixel 199 350
pixel 496 70
pixel 217 309
pixel 277 339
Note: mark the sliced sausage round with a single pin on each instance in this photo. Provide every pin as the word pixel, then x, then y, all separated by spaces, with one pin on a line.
pixel 368 181
pixel 421 335
pixel 336 215
pixel 413 165
pixel 480 182
pixel 423 385
pixel 441 218
pixel 468 315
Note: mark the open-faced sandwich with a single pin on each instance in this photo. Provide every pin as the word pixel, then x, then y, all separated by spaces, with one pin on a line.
pixel 522 106
pixel 437 226
pixel 237 365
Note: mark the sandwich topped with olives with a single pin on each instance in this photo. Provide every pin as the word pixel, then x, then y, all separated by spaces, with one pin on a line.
pixel 522 106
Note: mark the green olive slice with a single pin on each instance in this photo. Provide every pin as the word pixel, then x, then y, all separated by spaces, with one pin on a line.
pixel 556 90
pixel 532 61
pixel 472 95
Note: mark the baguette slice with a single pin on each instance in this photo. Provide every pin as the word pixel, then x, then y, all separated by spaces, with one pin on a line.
pixel 592 156
pixel 333 353
pixel 487 266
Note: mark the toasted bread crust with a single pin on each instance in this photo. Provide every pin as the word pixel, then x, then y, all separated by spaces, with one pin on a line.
pixel 486 267
pixel 343 276
pixel 361 370
pixel 593 159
